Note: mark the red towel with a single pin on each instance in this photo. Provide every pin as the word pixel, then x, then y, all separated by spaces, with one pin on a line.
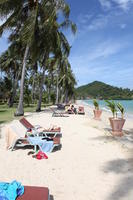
pixel 41 155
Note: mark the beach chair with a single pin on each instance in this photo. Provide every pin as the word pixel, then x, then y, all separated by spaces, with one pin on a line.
pixel 46 145
pixel 58 114
pixel 53 132
pixel 16 137
pixel 15 190
pixel 81 110
pixel 60 106
pixel 35 193
pixel 23 142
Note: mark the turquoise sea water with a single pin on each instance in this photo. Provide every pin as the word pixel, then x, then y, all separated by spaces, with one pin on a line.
pixel 128 105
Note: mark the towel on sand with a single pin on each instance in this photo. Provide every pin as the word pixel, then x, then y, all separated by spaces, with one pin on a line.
pixel 10 191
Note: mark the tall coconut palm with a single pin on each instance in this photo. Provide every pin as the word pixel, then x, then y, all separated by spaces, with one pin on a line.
pixel 68 80
pixel 28 13
pixel 11 64
pixel 52 41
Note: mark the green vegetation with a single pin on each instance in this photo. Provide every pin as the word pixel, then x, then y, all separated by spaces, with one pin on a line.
pixel 114 107
pixel 101 90
pixel 121 109
pixel 35 67
pixel 96 104
pixel 7 114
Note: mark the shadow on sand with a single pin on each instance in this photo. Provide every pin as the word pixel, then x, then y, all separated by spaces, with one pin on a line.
pixel 128 132
pixel 51 197
pixel 125 185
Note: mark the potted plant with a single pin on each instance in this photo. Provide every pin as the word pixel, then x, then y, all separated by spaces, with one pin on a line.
pixel 116 122
pixel 97 111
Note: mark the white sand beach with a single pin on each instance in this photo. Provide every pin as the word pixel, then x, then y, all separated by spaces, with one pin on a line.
pixel 91 165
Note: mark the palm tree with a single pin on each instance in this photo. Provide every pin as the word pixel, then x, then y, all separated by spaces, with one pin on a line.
pixel 53 41
pixel 28 13
pixel 12 67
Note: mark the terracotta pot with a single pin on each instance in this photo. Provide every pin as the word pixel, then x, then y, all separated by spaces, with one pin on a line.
pixel 117 125
pixel 97 114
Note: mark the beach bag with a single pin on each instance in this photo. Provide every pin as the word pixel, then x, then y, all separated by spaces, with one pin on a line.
pixel 41 155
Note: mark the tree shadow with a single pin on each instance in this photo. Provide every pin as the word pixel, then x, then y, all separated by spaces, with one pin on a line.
pixel 125 186
pixel 47 110
pixel 2 111
pixel 119 166
pixel 51 197
pixel 129 132
pixel 2 122
pixel 126 132
pixel 107 138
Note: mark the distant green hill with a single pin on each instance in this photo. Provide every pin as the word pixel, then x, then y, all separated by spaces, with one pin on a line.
pixel 101 90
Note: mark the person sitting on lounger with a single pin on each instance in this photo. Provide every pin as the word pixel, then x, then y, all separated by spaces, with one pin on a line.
pixel 72 110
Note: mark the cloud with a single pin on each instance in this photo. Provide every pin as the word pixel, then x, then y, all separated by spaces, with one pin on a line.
pixel 83 19
pixel 98 23
pixel 105 4
pixel 123 26
pixel 104 50
pixel 123 4
pixel 93 23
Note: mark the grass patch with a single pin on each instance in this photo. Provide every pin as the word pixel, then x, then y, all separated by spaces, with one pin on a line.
pixel 7 114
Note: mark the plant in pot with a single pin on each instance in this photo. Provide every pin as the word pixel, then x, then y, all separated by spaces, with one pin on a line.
pixel 97 111
pixel 116 122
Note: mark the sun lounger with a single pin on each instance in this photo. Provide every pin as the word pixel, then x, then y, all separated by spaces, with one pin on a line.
pixel 53 132
pixel 81 110
pixel 15 190
pixel 35 193
pixel 14 132
pixel 58 114
pixel 15 136
pixel 60 106
pixel 46 145
pixel 22 142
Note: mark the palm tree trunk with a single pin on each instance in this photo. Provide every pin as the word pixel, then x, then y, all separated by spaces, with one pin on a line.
pixel 13 93
pixel 49 97
pixel 38 109
pixel 66 96
pixel 33 82
pixel 62 96
pixel 57 92
pixel 20 109
pixel 33 88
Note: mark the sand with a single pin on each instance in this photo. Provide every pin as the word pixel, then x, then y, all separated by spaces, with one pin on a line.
pixel 91 165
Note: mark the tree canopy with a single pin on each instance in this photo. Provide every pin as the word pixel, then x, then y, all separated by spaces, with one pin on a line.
pixel 36 62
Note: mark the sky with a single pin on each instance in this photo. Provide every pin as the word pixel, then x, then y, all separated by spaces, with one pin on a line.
pixel 102 48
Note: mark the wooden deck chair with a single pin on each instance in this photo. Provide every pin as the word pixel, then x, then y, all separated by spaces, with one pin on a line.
pixel 35 193
pixel 81 110
pixel 58 114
